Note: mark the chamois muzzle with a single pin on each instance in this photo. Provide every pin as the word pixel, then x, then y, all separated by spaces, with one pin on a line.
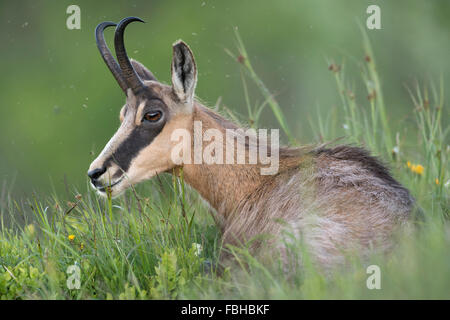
pixel 96 173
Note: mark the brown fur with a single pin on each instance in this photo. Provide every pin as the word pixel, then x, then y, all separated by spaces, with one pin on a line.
pixel 336 199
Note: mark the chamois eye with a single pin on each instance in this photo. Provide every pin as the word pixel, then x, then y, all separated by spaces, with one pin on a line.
pixel 152 116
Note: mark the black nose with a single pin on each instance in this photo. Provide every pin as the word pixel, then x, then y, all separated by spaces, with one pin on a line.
pixel 96 173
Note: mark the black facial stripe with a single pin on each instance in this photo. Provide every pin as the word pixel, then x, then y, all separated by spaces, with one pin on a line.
pixel 140 137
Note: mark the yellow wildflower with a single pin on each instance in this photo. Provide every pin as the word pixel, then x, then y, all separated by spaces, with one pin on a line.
pixel 409 164
pixel 417 169
pixel 71 237
pixel 436 180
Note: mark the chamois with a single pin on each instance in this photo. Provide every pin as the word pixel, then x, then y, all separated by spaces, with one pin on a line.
pixel 334 198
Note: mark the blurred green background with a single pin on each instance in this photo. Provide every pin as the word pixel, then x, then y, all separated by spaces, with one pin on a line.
pixel 59 103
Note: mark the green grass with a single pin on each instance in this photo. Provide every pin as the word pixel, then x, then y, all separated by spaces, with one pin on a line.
pixel 159 241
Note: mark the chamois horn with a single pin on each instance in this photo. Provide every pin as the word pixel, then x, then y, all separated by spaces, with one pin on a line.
pixel 129 74
pixel 112 64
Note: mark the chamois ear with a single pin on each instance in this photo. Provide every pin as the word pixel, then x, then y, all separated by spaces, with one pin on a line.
pixel 142 71
pixel 184 72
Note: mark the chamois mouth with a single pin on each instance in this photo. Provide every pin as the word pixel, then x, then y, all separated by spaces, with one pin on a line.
pixel 105 188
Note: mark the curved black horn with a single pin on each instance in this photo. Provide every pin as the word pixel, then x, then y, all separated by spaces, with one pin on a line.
pixel 129 74
pixel 107 56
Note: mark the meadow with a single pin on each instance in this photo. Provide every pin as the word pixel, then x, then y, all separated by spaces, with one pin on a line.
pixel 159 241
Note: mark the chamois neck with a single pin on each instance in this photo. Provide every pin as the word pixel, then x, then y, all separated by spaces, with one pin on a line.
pixel 222 185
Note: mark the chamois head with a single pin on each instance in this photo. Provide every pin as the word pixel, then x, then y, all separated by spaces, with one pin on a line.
pixel 141 146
